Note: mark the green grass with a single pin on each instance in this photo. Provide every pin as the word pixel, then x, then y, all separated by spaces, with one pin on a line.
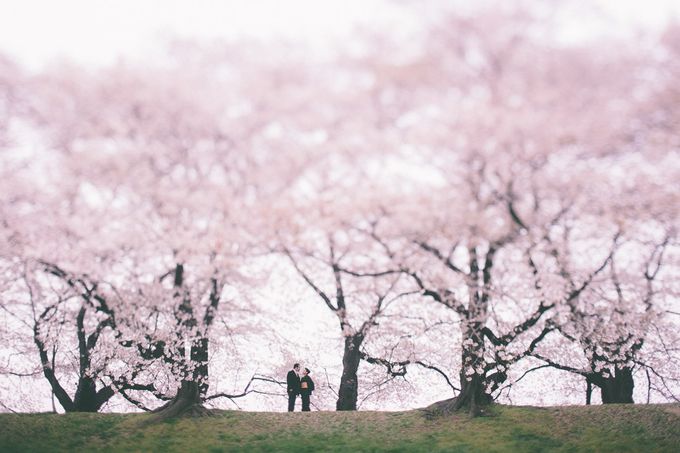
pixel 612 428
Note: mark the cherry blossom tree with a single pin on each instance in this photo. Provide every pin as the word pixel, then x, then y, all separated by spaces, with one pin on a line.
pixel 358 303
pixel 498 118
pixel 154 196
pixel 480 201
pixel 622 323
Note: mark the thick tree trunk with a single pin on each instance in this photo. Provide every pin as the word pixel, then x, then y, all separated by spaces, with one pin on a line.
pixel 190 396
pixel 87 399
pixel 188 402
pixel 349 386
pixel 473 396
pixel 618 388
pixel 199 356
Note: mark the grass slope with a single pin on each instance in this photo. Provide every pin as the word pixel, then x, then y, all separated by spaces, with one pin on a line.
pixel 612 428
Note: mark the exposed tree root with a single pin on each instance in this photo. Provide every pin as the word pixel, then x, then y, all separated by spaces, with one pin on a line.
pixel 472 398
pixel 187 403
pixel 454 406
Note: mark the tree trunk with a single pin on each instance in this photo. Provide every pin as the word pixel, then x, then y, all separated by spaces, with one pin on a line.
pixel 86 399
pixel 349 386
pixel 187 402
pixel 199 357
pixel 189 398
pixel 473 395
pixel 618 388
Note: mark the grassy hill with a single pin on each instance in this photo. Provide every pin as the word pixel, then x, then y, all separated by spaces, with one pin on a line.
pixel 613 428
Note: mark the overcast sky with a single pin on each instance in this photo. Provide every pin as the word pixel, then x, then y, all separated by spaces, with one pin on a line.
pixel 36 32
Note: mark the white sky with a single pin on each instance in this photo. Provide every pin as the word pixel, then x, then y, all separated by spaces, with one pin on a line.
pixel 97 32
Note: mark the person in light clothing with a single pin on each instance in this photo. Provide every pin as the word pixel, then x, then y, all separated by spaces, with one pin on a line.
pixel 306 389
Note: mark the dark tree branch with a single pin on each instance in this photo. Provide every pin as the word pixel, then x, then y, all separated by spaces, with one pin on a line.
pixel 439 371
pixel 309 281
pixel 248 390
pixel 440 256
pixel 135 402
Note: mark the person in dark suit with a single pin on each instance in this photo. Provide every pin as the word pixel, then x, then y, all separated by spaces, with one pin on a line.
pixel 306 389
pixel 293 384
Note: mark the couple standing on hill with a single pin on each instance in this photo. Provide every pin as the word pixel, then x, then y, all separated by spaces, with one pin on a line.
pixel 299 385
